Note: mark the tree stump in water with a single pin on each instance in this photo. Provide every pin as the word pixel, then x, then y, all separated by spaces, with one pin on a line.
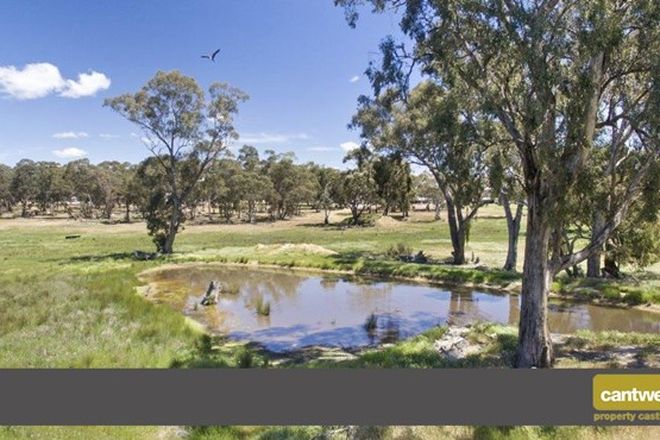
pixel 212 294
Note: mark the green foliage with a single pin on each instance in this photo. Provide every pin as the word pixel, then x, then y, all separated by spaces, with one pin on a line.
pixel 186 134
pixel 244 358
pixel 358 194
pixel 292 184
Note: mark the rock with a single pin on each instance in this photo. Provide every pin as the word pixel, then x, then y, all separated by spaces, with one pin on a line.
pixel 145 256
pixel 454 345
pixel 420 258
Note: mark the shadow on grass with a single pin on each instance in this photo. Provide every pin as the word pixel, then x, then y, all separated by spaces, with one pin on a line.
pixel 104 257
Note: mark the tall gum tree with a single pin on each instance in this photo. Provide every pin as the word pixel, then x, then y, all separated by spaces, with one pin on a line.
pixel 440 130
pixel 544 69
pixel 185 132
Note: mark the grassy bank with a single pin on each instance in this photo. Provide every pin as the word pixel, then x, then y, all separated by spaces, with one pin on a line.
pixel 72 303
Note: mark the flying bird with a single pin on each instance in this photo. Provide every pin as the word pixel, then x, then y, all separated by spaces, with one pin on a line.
pixel 212 56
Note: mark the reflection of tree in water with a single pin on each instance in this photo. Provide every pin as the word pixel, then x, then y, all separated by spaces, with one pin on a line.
pixel 255 286
pixel 391 330
pixel 252 284
pixel 329 283
pixel 565 318
pixel 362 296
pixel 514 310
pixel 387 329
pixel 461 305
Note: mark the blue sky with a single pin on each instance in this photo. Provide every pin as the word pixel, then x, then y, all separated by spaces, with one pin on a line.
pixel 299 61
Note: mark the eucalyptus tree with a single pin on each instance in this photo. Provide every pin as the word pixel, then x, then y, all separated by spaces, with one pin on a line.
pixel 222 190
pixel 328 194
pixel 394 184
pixel 129 189
pixel 109 175
pixel 545 69
pixel 293 184
pixel 425 187
pixel 251 188
pixel 6 199
pixel 506 184
pixel 83 181
pixel 442 130
pixel 181 126
pixel 24 185
pixel 358 192
pixel 49 184
pixel 248 157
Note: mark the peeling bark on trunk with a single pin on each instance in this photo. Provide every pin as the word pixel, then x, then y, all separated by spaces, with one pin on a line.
pixel 534 344
pixel 456 232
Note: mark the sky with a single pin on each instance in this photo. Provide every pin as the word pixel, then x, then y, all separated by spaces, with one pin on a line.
pixel 299 61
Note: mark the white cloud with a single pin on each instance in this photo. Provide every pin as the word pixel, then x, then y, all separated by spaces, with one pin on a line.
pixel 87 85
pixel 34 81
pixel 70 153
pixel 321 149
pixel 354 79
pixel 349 146
pixel 271 138
pixel 108 136
pixel 42 79
pixel 70 135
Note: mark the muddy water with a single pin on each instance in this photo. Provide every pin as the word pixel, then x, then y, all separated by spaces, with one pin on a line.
pixel 330 310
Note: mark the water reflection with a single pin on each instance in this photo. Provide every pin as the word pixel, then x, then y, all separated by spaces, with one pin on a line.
pixel 330 310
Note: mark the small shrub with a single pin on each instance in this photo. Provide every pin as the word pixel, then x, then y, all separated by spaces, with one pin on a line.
pixel 396 250
pixel 244 358
pixel 634 297
pixel 611 292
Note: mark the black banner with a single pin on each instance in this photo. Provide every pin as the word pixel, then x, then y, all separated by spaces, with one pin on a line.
pixel 307 397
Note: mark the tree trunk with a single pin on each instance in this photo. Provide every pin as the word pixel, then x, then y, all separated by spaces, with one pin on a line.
pixel 593 262
pixel 127 217
pixel 534 344
pixel 513 228
pixel 457 234
pixel 173 228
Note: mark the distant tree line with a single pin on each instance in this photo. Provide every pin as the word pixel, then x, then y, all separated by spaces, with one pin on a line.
pixel 233 189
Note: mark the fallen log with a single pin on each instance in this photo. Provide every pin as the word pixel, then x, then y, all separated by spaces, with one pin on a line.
pixel 212 294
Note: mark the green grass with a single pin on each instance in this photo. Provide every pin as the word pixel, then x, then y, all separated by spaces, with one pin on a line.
pixel 72 303
pixel 608 291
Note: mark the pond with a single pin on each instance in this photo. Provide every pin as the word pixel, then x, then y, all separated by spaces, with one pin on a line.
pixel 311 309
